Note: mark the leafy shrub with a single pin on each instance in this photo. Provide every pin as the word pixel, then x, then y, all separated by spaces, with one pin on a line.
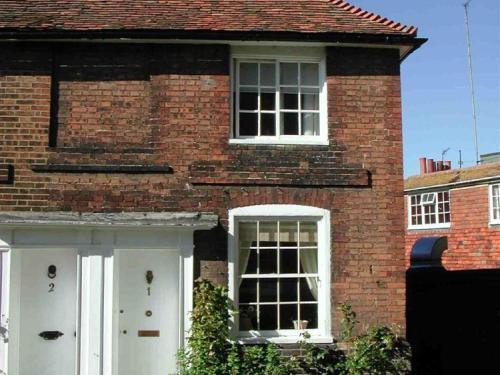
pixel 210 351
pixel 348 321
pixel 378 352
pixel 208 342
pixel 259 360
pixel 319 360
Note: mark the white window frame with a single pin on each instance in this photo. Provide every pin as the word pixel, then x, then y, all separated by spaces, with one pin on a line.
pixel 293 57
pixel 426 203
pixel 283 212
pixel 490 194
pixel 428 198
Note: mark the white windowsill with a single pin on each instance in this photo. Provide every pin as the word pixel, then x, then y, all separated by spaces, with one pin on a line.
pixel 494 224
pixel 428 227
pixel 285 340
pixel 280 141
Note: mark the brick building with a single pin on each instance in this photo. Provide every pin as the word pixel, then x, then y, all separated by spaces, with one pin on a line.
pixel 148 143
pixel 461 204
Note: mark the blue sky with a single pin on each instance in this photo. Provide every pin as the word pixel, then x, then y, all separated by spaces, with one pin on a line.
pixel 437 109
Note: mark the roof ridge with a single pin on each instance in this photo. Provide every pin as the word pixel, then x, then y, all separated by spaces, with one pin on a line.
pixel 374 17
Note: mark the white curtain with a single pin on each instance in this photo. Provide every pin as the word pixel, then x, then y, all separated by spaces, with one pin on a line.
pixel 243 261
pixel 247 237
pixel 309 262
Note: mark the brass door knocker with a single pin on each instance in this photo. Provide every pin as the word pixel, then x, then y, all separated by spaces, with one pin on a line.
pixel 149 277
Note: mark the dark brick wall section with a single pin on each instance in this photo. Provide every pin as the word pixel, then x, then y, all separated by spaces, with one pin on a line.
pixel 472 242
pixel 178 114
pixel 296 165
pixel 104 91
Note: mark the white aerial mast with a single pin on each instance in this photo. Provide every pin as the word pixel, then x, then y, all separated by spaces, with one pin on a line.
pixel 469 55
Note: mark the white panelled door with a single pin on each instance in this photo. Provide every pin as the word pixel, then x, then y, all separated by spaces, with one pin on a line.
pixel 147 304
pixel 48 312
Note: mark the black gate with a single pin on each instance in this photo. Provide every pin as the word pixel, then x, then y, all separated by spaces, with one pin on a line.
pixel 453 317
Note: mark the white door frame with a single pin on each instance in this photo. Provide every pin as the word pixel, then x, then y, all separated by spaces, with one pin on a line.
pixel 95 247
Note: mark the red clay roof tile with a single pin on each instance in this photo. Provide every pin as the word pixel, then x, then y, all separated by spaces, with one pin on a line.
pixel 453 176
pixel 313 16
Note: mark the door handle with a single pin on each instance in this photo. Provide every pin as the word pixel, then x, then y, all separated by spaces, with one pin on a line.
pixel 50 335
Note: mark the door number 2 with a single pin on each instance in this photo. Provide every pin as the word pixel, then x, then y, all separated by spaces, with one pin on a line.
pixel 51 274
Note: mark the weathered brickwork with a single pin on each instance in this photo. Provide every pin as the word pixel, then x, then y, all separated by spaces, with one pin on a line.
pixel 472 242
pixel 170 105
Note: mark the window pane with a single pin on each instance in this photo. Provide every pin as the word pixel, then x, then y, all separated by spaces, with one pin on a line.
pixel 289 123
pixel 248 291
pixel 309 74
pixel 268 317
pixel 248 124
pixel 288 313
pixel 247 233
pixel 268 290
pixel 268 233
pixel 308 233
pixel 268 124
pixel 289 98
pixel 267 74
pixel 310 101
pixel 429 213
pixel 309 313
pixel 309 289
pixel 419 219
pixel 268 100
pixel 288 290
pixel 268 261
pixel 288 261
pixel 248 318
pixel 289 73
pixel 310 123
pixel 248 74
pixel 288 233
pixel 248 101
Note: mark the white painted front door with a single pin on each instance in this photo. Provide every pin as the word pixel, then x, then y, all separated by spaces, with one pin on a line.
pixel 148 311
pixel 48 300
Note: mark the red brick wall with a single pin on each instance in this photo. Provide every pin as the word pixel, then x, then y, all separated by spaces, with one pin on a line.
pixel 172 106
pixel 96 102
pixel 472 242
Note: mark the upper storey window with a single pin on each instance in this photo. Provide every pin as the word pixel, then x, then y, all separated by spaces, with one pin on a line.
pixel 429 210
pixel 495 204
pixel 279 99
